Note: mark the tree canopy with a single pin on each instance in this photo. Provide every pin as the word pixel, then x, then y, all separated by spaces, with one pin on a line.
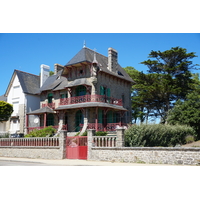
pixel 187 112
pixel 169 79
pixel 6 110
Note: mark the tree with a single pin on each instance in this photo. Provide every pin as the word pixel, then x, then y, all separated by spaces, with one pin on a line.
pixel 168 79
pixel 6 110
pixel 187 112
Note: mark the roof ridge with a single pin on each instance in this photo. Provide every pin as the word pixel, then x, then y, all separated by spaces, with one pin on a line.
pixel 26 72
pixel 95 52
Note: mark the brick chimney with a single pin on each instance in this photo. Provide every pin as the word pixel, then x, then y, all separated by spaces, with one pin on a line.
pixel 57 68
pixel 44 73
pixel 112 60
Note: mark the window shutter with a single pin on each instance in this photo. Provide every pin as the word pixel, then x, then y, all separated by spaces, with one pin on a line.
pixel 108 92
pixel 100 116
pixel 101 90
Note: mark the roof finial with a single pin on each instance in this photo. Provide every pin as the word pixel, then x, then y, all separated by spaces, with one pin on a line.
pixel 84 44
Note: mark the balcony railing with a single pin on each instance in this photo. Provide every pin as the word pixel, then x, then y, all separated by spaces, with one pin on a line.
pixel 107 127
pixel 50 105
pixel 91 98
pixel 29 142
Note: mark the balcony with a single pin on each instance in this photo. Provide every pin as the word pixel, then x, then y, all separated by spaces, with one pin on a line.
pixel 101 127
pixel 91 98
pixel 50 105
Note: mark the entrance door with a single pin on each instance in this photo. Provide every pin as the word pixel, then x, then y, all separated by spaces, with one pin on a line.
pixel 76 147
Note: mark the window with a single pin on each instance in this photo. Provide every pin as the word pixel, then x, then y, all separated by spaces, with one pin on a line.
pixel 123 99
pixel 62 96
pixel 104 91
pixel 16 92
pixel 50 120
pixel 50 97
pixel 78 120
pixel 80 90
pixel 100 116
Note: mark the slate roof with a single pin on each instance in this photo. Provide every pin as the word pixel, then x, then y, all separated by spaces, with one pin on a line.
pixel 29 82
pixel 41 111
pixel 3 98
pixel 87 55
pixel 51 82
pixel 59 82
pixel 80 81
pixel 90 104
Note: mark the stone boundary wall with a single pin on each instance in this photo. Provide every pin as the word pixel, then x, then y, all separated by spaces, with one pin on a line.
pixel 37 152
pixel 150 155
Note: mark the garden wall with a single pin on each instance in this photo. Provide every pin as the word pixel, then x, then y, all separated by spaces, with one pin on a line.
pixel 43 148
pixel 151 155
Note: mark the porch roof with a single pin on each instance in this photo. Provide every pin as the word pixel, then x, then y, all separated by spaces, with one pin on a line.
pixel 90 104
pixel 41 111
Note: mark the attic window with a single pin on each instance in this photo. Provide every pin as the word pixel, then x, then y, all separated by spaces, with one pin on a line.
pixel 119 73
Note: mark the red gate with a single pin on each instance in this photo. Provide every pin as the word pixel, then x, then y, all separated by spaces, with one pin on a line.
pixel 77 147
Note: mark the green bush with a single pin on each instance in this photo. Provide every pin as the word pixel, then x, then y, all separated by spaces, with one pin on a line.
pixel 189 139
pixel 45 132
pixel 157 135
pixel 101 133
pixel 4 135
pixel 84 134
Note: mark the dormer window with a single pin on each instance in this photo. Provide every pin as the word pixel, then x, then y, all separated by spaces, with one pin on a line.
pixel 119 73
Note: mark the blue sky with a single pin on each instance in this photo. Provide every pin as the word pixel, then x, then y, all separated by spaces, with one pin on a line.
pixel 27 51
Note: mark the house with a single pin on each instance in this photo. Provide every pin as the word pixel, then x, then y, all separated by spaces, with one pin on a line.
pixel 21 94
pixel 91 91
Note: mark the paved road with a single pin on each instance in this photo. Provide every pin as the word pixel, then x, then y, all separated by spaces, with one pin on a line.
pixel 6 161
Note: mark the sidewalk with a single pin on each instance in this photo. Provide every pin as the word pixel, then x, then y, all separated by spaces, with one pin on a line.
pixel 74 162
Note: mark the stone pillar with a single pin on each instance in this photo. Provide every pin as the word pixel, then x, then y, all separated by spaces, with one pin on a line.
pixel 90 134
pixel 62 143
pixel 120 137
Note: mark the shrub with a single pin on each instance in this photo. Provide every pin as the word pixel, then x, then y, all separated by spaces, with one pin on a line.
pixel 4 135
pixel 157 135
pixel 101 133
pixel 84 134
pixel 189 139
pixel 45 132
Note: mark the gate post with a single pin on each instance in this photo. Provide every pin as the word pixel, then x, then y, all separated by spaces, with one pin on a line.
pixel 62 143
pixel 120 137
pixel 90 134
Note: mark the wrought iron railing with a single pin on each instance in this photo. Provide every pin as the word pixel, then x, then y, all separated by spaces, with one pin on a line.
pixel 50 105
pixel 91 98
pixel 107 127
